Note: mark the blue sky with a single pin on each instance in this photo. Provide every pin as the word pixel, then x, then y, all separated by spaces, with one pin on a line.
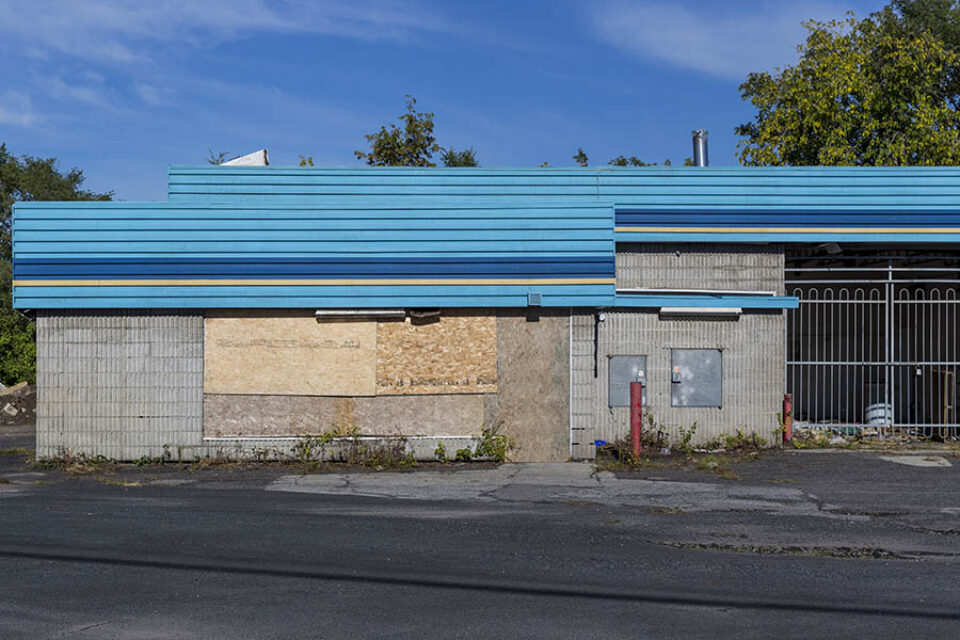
pixel 122 89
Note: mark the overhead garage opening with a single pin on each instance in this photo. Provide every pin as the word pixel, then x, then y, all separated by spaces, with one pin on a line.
pixel 874 347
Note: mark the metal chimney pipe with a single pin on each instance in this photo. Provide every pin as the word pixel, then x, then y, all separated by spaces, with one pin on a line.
pixel 700 157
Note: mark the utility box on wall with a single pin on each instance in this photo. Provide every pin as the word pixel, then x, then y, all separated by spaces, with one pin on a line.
pixel 696 378
pixel 622 371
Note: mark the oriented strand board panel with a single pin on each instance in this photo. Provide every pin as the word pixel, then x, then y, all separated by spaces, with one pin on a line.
pixel 288 353
pixel 458 354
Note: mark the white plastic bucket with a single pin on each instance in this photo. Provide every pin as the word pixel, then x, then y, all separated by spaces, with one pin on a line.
pixel 879 414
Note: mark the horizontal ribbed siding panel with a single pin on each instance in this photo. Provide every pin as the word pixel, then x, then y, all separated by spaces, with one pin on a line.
pixel 653 204
pixel 833 188
pixel 96 255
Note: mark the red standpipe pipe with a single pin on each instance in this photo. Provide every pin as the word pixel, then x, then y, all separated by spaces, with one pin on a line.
pixel 636 417
pixel 787 417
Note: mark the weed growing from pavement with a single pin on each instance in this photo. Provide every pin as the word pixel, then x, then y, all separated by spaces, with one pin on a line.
pixel 345 445
pixel 440 453
pixel 822 439
pixel 494 445
pixel 716 464
pixel 850 553
pixel 739 442
pixel 75 464
pixel 684 447
pixel 146 461
pixel 716 456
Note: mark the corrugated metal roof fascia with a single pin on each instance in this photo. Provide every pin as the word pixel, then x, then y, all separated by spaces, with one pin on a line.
pixel 83 255
pixel 892 188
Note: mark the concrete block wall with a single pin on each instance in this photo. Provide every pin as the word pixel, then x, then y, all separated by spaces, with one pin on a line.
pixel 119 383
pixel 752 345
pixel 753 374
pixel 701 266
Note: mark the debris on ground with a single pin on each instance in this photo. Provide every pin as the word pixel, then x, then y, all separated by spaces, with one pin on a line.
pixel 18 404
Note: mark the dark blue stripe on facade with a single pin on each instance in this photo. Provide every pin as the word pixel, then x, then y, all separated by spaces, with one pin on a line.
pixel 516 267
pixel 794 218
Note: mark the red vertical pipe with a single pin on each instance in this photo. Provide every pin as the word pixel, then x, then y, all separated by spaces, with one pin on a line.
pixel 636 416
pixel 787 417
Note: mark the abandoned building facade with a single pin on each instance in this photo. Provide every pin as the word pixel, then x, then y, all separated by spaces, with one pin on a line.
pixel 258 305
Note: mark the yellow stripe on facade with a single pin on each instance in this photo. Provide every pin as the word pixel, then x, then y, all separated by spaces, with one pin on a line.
pixel 787 229
pixel 307 283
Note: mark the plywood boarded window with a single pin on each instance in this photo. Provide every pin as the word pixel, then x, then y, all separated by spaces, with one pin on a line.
pixel 458 354
pixel 288 353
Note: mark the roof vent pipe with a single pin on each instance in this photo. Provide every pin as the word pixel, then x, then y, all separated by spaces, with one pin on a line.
pixel 700 158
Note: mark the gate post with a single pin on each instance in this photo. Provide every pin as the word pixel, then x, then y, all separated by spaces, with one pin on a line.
pixel 636 417
pixel 787 417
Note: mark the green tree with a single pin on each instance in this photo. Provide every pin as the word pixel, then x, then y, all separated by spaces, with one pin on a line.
pixel 21 179
pixel 581 158
pixel 465 158
pixel 632 161
pixel 413 145
pixel 940 18
pixel 866 92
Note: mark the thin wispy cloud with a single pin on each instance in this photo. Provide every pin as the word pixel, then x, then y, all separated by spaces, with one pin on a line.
pixel 715 39
pixel 16 109
pixel 122 31
pixel 152 95
pixel 93 95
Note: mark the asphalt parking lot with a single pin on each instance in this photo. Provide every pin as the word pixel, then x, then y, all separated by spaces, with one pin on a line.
pixel 802 545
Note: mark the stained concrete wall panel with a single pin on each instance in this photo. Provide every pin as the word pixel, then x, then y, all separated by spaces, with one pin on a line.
pixel 437 415
pixel 699 266
pixel 753 373
pixel 534 398
pixel 274 416
pixel 118 383
pixel 266 416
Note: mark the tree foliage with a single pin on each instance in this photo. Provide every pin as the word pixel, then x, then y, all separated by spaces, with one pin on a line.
pixel 870 92
pixel 21 179
pixel 413 145
pixel 465 158
pixel 622 161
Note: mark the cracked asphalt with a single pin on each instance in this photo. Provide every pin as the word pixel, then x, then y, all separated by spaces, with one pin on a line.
pixel 804 545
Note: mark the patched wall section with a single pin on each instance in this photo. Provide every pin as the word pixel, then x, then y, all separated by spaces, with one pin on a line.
pixel 533 406
pixel 427 377
pixel 119 383
pixel 510 370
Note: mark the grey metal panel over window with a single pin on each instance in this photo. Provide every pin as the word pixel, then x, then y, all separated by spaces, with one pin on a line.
pixel 623 370
pixel 696 378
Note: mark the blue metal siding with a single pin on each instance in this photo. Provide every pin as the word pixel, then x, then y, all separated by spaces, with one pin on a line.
pixel 653 204
pixel 182 255
pixel 367 238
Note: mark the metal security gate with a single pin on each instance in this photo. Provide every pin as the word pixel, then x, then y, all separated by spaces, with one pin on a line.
pixel 874 347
